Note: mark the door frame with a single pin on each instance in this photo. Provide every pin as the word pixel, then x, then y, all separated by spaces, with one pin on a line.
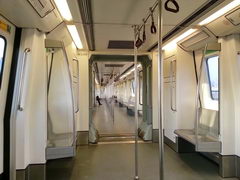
pixel 145 60
pixel 9 149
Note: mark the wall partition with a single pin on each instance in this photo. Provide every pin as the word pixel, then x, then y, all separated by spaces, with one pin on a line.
pixel 60 122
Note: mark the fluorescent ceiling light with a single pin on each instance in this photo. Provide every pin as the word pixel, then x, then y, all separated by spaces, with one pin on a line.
pixel 64 10
pixel 174 42
pixel 130 71
pixel 220 12
pixel 122 77
pixel 75 36
pixel 96 81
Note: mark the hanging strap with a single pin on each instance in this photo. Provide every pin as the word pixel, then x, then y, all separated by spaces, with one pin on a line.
pixel 153 27
pixel 139 42
pixel 174 2
pixel 144 32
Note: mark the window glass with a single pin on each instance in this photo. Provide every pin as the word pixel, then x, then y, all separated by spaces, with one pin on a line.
pixel 212 64
pixel 2 49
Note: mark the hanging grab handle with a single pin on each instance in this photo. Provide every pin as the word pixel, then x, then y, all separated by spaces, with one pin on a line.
pixel 174 10
pixel 139 42
pixel 153 27
pixel 144 32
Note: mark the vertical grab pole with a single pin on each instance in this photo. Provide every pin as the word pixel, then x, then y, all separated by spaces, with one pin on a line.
pixel 160 93
pixel 136 103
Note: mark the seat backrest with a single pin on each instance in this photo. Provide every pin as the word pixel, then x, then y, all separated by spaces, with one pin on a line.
pixel 208 122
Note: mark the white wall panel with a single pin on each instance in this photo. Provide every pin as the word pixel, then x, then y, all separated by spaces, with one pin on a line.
pixel 230 95
pixel 31 123
pixel 184 116
pixel 186 89
pixel 83 123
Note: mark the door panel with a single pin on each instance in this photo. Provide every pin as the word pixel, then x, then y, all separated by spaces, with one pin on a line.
pixel 7 33
pixel 170 119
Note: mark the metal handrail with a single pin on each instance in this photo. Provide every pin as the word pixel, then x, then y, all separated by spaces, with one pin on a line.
pixel 171 86
pixel 22 75
pixel 136 106
pixel 139 89
pixel 198 97
pixel 160 92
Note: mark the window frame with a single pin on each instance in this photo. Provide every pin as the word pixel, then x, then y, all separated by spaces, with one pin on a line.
pixel 209 78
pixel 3 59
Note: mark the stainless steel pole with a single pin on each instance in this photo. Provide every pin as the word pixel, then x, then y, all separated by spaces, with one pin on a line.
pixel 160 93
pixel 136 104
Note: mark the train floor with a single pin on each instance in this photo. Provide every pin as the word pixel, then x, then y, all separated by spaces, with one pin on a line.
pixel 116 162
pixel 111 119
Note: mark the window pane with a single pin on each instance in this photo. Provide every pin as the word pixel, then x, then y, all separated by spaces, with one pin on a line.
pixel 2 47
pixel 212 64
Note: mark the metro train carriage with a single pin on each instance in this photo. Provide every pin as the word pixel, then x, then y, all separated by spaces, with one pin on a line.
pixel 119 90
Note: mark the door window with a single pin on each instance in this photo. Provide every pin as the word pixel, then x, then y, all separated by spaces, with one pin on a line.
pixel 2 54
pixel 212 66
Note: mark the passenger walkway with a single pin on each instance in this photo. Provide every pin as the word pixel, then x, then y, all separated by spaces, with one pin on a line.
pixel 109 118
pixel 116 162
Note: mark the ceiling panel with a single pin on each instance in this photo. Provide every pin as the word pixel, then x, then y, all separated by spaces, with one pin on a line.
pixel 123 12
pixel 113 19
pixel 22 14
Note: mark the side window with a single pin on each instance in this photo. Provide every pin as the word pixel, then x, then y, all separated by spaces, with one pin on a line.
pixel 2 56
pixel 212 66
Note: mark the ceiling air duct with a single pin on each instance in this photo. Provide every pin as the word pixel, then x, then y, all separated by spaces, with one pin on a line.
pixel 42 7
pixel 86 14
pixel 197 40
pixel 114 65
pixel 120 44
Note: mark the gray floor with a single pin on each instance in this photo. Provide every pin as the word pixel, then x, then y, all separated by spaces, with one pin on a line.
pixel 116 162
pixel 109 118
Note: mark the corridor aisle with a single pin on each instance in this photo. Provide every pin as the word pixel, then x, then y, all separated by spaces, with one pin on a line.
pixel 116 162
pixel 107 123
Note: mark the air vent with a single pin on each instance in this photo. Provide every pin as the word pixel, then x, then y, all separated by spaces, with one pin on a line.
pixel 197 40
pixel 114 65
pixel 42 7
pixel 234 17
pixel 120 45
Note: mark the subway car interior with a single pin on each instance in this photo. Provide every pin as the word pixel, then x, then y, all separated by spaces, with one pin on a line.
pixel 119 90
